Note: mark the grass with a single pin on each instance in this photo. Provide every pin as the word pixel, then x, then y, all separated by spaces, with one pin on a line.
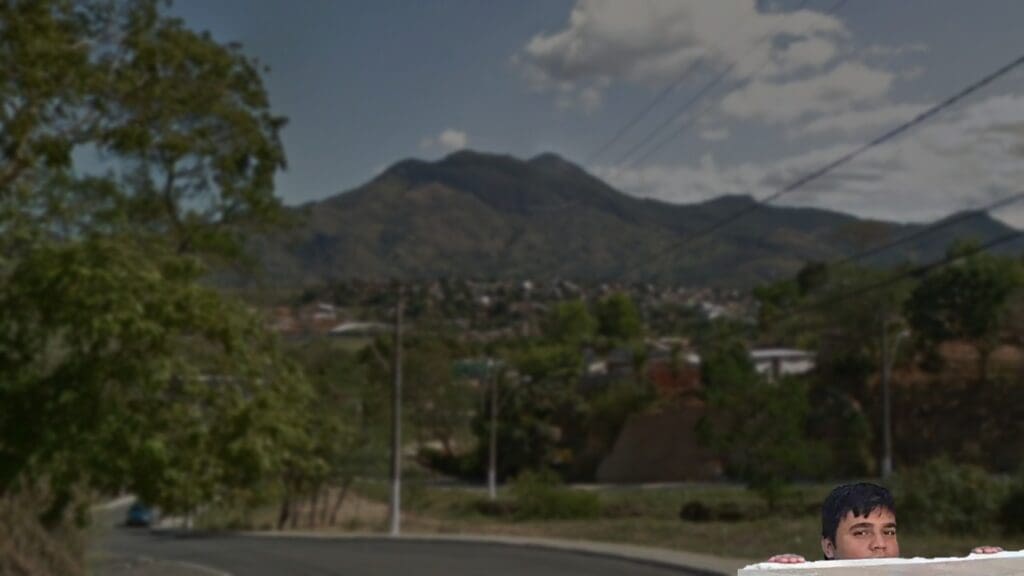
pixel 649 517
pixel 638 516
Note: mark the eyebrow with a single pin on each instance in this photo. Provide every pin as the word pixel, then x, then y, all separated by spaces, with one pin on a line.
pixel 870 525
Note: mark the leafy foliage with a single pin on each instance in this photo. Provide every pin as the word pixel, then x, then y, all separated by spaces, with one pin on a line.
pixel 618 319
pixel 540 496
pixel 123 372
pixel 965 301
pixel 758 429
pixel 119 370
pixel 570 323
pixel 955 498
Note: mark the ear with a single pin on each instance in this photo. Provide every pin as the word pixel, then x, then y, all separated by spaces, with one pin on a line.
pixel 828 548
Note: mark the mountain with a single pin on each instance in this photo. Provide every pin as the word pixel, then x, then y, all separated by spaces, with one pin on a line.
pixel 482 215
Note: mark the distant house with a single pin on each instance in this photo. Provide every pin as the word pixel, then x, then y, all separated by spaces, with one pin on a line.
pixel 357 329
pixel 771 362
pixel 778 362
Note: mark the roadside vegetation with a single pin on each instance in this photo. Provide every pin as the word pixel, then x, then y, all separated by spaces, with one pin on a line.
pixel 125 367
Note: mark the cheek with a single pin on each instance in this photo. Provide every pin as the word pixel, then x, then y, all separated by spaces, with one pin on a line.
pixel 853 548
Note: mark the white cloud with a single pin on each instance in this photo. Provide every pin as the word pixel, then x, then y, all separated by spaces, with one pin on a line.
pixel 958 162
pixel 655 40
pixel 714 134
pixel 886 51
pixel 837 90
pixel 803 55
pixel 857 121
pixel 449 140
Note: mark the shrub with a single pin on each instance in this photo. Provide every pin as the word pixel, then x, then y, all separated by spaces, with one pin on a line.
pixel 1011 513
pixel 488 507
pixel 695 511
pixel 698 511
pixel 464 466
pixel 949 497
pixel 540 496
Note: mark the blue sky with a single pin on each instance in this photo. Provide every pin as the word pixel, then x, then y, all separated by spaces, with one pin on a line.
pixel 365 84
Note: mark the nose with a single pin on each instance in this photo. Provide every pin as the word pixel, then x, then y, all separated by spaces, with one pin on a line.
pixel 878 543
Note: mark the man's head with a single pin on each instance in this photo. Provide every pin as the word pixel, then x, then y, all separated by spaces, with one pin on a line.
pixel 859 521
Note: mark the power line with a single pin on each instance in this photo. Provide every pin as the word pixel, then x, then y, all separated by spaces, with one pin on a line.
pixel 842 159
pixel 679 112
pixel 1002 203
pixel 643 112
pixel 917 271
pixel 682 128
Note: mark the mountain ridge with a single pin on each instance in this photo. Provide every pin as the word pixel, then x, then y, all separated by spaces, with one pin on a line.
pixel 482 215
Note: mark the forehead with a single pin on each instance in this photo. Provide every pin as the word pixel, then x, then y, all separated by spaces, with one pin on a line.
pixel 877 516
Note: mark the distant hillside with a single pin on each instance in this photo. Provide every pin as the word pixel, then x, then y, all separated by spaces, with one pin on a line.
pixel 490 216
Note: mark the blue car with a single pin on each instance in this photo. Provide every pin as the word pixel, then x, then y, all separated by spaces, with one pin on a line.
pixel 139 515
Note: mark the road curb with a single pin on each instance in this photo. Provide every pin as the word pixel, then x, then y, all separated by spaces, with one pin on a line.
pixel 704 564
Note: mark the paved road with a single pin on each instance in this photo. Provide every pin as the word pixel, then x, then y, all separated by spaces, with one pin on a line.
pixel 254 556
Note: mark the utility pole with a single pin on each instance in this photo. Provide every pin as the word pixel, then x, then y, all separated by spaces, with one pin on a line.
pixel 886 403
pixel 395 511
pixel 888 358
pixel 492 463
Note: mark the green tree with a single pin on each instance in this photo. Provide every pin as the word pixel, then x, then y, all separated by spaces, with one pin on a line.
pixel 121 372
pixel 569 323
pixel 759 430
pixel 538 400
pixel 347 427
pixel 618 319
pixel 118 369
pixel 840 312
pixel 191 119
pixel 186 118
pixel 440 406
pixel 966 300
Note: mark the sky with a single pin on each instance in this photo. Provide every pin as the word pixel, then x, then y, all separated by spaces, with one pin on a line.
pixel 737 96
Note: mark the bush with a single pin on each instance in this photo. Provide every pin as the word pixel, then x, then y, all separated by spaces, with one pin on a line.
pixel 1011 513
pixel 698 511
pixel 540 496
pixel 463 466
pixel 695 511
pixel 488 507
pixel 950 497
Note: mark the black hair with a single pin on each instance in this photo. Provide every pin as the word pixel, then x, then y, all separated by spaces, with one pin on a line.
pixel 861 498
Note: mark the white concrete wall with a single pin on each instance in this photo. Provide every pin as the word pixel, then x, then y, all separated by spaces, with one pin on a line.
pixel 1001 564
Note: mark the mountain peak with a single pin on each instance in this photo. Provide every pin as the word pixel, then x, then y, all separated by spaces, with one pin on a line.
pixel 467 155
pixel 549 159
pixel 731 201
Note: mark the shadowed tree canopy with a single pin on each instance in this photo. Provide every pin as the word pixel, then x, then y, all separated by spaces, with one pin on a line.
pixel 176 129
pixel 967 300
pixel 134 154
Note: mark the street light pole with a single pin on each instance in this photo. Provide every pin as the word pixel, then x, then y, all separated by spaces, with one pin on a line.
pixel 395 510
